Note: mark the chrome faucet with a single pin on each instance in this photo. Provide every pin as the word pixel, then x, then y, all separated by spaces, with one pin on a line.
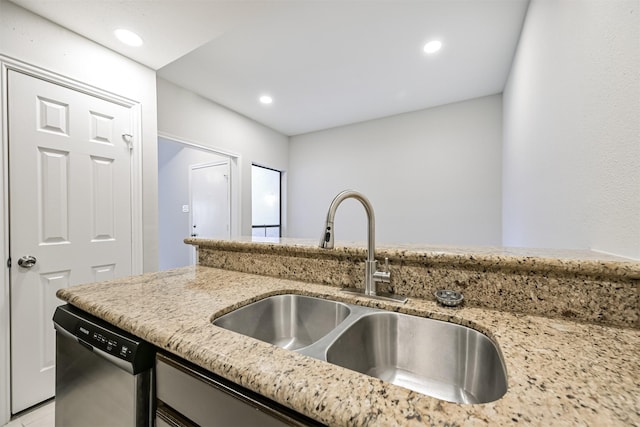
pixel 371 274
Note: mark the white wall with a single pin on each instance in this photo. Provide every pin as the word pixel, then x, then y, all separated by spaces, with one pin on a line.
pixel 432 176
pixel 37 42
pixel 189 117
pixel 174 162
pixel 572 128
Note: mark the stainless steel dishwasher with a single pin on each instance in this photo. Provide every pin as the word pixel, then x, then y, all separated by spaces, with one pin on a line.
pixel 103 374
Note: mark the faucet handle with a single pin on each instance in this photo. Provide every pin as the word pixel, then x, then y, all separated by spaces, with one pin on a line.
pixel 383 275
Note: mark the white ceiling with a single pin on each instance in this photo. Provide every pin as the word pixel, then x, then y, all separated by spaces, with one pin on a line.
pixel 326 63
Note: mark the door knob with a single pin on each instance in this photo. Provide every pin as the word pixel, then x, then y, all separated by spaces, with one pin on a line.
pixel 27 261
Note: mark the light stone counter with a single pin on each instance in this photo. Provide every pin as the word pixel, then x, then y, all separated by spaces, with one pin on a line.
pixel 560 372
pixel 505 253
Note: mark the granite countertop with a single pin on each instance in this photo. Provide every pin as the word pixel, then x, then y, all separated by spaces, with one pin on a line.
pixel 517 254
pixel 569 261
pixel 559 372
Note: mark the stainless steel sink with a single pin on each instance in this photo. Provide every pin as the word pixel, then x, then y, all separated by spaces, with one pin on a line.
pixel 440 359
pixel 287 321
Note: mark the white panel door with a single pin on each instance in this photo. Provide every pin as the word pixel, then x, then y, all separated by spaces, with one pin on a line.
pixel 210 213
pixel 70 209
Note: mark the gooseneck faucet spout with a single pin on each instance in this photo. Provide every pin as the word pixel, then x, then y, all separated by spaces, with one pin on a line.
pixel 327 238
pixel 372 276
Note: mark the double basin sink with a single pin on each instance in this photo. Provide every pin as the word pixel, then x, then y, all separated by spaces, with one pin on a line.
pixel 440 359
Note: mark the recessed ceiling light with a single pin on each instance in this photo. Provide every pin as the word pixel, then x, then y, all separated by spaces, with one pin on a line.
pixel 128 37
pixel 266 99
pixel 432 47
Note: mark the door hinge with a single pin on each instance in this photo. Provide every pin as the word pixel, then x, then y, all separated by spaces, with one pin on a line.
pixel 9 263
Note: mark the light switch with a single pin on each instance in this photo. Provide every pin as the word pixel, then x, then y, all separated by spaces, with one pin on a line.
pixel 185 208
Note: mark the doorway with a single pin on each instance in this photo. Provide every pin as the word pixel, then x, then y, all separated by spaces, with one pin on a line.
pixel 181 166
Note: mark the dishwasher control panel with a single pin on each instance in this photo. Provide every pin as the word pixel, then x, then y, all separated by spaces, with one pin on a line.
pixel 95 333
pixel 105 341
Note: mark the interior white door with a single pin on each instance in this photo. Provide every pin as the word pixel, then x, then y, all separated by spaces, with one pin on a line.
pixel 70 209
pixel 210 213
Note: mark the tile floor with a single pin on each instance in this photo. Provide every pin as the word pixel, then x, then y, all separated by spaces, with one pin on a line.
pixel 42 415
